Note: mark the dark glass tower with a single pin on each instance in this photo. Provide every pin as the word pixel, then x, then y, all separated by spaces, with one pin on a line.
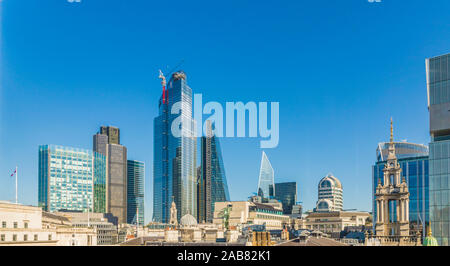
pixel 438 91
pixel 212 184
pixel 107 142
pixel 286 192
pixel 174 160
pixel 135 195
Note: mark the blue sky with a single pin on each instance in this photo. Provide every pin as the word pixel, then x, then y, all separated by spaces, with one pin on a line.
pixel 340 70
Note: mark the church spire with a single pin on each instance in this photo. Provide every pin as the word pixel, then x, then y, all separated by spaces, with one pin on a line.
pixel 392 131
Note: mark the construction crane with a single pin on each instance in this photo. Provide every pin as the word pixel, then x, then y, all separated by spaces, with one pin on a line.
pixel 164 78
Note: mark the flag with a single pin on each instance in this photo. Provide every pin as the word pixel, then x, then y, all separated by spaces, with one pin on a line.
pixel 14 172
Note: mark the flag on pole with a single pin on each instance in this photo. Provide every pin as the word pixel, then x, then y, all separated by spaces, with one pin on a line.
pixel 14 172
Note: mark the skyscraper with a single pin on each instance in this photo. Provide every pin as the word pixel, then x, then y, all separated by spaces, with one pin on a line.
pixel 330 195
pixel 107 142
pixel 286 192
pixel 266 178
pixel 174 163
pixel 413 160
pixel 212 184
pixel 70 178
pixel 135 195
pixel 438 91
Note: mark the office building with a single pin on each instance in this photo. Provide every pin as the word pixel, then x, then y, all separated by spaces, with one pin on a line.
pixel 413 160
pixel 67 178
pixel 286 192
pixel 135 195
pixel 330 195
pixel 266 179
pixel 212 184
pixel 246 213
pixel 175 146
pixel 107 142
pixel 438 91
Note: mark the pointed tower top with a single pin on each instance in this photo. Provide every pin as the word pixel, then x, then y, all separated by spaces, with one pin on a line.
pixel 392 131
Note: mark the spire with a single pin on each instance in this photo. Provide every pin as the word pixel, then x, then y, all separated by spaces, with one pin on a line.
pixel 392 131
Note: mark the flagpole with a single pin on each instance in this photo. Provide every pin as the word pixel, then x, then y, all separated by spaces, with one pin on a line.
pixel 16 185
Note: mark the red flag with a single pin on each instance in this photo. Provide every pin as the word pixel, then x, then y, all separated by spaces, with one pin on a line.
pixel 13 173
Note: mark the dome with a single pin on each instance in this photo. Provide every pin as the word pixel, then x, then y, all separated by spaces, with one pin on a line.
pixel 188 220
pixel 430 241
pixel 330 181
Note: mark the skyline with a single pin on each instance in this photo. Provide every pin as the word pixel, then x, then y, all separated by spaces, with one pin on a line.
pixel 330 124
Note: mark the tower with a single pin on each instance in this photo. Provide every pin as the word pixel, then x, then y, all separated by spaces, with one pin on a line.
pixel 392 198
pixel 173 214
pixel 266 179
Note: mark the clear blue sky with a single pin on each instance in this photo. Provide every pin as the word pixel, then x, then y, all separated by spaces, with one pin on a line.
pixel 340 70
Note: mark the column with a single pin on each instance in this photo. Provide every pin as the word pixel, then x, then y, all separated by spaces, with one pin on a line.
pixel 397 203
pixel 378 211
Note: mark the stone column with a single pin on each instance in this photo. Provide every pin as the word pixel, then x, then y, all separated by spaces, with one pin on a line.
pixel 397 203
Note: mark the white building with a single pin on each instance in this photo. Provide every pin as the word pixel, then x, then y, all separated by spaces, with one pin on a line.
pixel 330 195
pixel 29 225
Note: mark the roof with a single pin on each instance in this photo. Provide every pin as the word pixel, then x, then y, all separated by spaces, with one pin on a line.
pixel 188 220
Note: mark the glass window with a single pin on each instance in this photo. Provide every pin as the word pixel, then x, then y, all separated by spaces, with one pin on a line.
pixel 15 224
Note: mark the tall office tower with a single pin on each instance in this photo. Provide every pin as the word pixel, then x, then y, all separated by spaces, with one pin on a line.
pixel 135 195
pixel 438 91
pixel 266 179
pixel 413 159
pixel 106 142
pixel 175 147
pixel 113 134
pixel 330 195
pixel 286 192
pixel 69 178
pixel 212 183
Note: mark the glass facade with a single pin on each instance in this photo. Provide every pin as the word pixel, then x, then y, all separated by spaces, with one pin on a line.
pixel 67 177
pixel 438 90
pixel 212 183
pixel 174 164
pixel 266 178
pixel 286 193
pixel 413 160
pixel 135 195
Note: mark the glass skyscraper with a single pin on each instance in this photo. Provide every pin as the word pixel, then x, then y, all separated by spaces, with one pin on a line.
pixel 135 195
pixel 438 91
pixel 266 178
pixel 212 182
pixel 413 160
pixel 67 178
pixel 286 192
pixel 174 163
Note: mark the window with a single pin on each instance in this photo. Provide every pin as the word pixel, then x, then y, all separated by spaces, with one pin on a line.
pixel 25 237
pixel 25 225
pixel 15 224
pixel 50 237
pixel 35 237
pixel 14 237
pixel 2 238
pixel 3 224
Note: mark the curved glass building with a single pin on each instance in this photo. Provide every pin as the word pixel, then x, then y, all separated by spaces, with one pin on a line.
pixel 266 178
pixel 174 156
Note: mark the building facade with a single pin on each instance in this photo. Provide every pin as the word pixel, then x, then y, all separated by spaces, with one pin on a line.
pixel 67 178
pixel 107 142
pixel 286 192
pixel 266 179
pixel 413 160
pixel 135 201
pixel 212 182
pixel 245 213
pixel 438 91
pixel 330 195
pixel 175 147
